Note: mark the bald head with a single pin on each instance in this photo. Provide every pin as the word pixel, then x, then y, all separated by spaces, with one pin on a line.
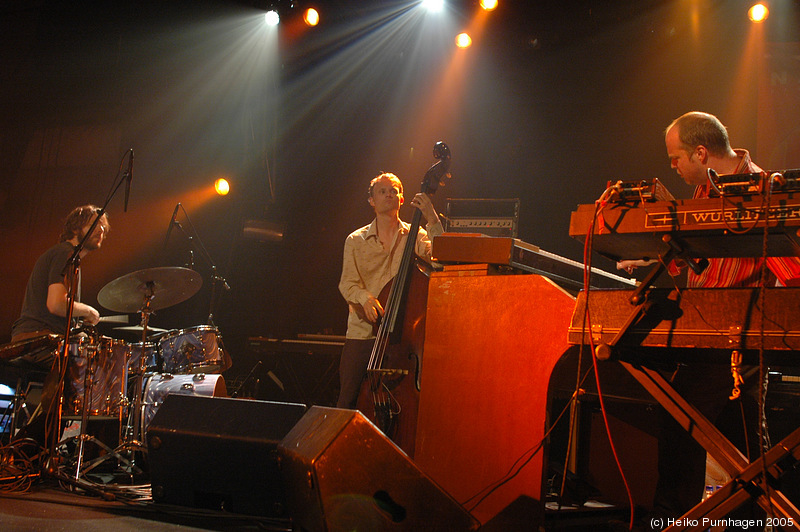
pixel 701 129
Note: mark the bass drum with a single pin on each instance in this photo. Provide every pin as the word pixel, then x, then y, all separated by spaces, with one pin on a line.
pixel 159 386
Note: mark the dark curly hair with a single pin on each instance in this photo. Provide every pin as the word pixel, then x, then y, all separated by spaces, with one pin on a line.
pixel 77 220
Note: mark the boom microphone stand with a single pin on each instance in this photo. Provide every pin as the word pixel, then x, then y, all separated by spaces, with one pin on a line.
pixel 196 244
pixel 71 272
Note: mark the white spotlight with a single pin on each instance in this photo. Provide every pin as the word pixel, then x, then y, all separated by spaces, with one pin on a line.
pixel 272 18
pixel 434 6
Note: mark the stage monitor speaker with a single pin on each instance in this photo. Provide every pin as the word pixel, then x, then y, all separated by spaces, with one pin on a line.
pixel 220 453
pixel 342 473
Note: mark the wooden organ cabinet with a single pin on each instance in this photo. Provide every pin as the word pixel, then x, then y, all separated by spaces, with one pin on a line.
pixel 491 344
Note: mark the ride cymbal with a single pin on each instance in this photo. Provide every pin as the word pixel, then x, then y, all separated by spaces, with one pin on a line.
pixel 164 287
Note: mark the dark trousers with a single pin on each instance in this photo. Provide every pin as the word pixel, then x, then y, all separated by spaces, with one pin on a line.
pixel 352 370
pixel 681 460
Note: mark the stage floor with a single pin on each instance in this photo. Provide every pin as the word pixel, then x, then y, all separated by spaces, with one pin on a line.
pixel 49 507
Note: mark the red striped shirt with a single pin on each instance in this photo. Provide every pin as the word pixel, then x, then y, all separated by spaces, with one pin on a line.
pixel 743 271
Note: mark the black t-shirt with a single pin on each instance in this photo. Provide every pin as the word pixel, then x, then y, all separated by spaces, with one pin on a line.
pixel 46 271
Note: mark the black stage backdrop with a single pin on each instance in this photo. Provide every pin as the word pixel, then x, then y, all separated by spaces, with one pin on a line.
pixel 552 100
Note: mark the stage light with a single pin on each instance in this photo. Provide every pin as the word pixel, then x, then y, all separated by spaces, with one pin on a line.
pixel 434 6
pixel 758 13
pixel 221 186
pixel 311 17
pixel 272 18
pixel 463 40
pixel 489 5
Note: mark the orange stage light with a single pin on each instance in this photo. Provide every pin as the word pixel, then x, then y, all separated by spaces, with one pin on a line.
pixel 758 13
pixel 311 17
pixel 221 186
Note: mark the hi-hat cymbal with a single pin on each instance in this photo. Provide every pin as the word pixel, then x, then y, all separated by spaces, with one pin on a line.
pixel 165 286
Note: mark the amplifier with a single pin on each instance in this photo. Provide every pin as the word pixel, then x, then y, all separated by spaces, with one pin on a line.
pixel 491 217
pixel 303 370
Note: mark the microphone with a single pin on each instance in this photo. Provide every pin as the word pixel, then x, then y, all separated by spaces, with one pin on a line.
pixel 128 178
pixel 171 223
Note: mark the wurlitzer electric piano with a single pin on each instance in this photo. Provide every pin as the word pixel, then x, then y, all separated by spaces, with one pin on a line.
pixel 751 215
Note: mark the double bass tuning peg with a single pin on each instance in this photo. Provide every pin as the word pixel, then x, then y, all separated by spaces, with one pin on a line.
pixel 440 170
pixel 441 151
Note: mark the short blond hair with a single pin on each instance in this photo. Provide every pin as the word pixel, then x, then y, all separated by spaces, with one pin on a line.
pixel 385 175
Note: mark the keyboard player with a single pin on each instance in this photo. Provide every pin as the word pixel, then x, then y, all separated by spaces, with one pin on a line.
pixel 697 142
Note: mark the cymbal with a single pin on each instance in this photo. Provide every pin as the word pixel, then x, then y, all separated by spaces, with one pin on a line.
pixel 167 285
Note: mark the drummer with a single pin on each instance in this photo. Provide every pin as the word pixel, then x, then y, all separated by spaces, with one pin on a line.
pixel 44 308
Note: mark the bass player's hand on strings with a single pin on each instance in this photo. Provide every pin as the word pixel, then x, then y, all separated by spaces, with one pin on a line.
pixel 372 309
pixel 425 205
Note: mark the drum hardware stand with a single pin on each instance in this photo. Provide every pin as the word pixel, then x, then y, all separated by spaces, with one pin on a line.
pixel 88 384
pixel 19 399
pixel 144 291
pixel 214 280
pixel 82 469
pixel 53 432
pixel 132 441
pixel 201 250
pixel 249 375
pixel 110 453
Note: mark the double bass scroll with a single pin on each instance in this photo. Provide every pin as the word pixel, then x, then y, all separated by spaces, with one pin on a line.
pixel 389 396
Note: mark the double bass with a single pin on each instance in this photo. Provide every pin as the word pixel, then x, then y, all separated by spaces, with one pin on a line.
pixel 389 396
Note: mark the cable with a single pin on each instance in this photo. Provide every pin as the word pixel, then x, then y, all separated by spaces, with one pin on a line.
pixel 587 258
pixel 515 469
pixel 19 465
pixel 763 433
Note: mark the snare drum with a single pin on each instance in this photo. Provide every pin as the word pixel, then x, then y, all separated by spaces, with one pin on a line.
pixel 159 386
pixel 108 370
pixel 195 350
pixel 150 357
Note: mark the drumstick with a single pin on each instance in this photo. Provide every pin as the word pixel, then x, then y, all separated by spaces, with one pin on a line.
pixel 122 318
